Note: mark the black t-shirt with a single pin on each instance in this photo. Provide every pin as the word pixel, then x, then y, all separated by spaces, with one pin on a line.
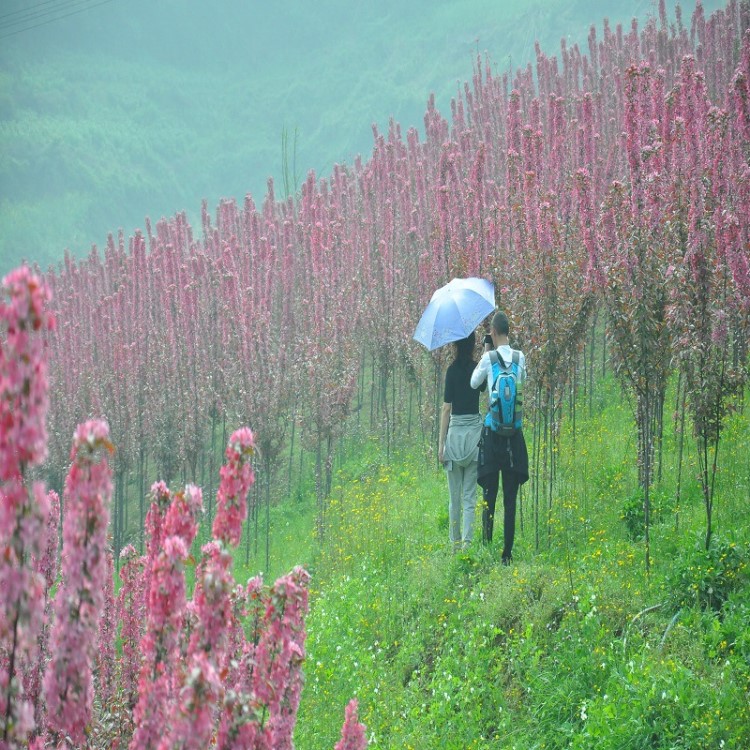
pixel 458 391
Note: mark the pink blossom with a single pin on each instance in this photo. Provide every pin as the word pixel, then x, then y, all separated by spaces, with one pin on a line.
pixel 46 565
pixel 24 317
pixel 236 640
pixel 236 479
pixel 181 518
pixel 214 585
pixel 79 601
pixel 161 498
pixel 160 645
pixel 270 675
pixel 352 733
pixel 192 721
pixel 24 511
pixel 289 595
pixel 241 724
pixel 22 614
pixel 190 715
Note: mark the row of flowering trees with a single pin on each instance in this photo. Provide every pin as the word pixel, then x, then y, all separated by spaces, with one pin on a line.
pixel 220 669
pixel 615 180
pixel 577 188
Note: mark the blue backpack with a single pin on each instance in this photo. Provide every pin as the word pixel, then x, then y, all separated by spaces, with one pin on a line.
pixel 506 396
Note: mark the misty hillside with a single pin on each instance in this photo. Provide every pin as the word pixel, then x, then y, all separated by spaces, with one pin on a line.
pixel 111 111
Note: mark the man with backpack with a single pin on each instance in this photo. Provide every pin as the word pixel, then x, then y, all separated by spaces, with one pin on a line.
pixel 502 449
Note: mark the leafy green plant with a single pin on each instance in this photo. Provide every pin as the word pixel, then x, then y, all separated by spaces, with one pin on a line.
pixel 706 577
pixel 632 513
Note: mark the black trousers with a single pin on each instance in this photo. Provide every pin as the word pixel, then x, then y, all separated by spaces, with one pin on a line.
pixel 511 483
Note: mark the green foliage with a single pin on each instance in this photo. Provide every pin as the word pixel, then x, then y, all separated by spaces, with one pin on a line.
pixel 706 577
pixel 571 647
pixel 662 703
pixel 633 513
pixel 562 650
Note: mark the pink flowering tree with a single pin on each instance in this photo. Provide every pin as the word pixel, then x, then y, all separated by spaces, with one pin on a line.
pixel 260 706
pixel 46 564
pixel 161 497
pixel 709 308
pixel 191 723
pixel 24 508
pixel 68 682
pixel 257 301
pixel 238 720
pixel 160 644
pixel 638 252
pixel 543 266
pixel 183 514
pixel 131 614
pixel 285 626
pixel 198 684
pixel 105 648
pixel 174 521
pixel 331 308
pixel 183 698
pixel 353 732
pixel 237 477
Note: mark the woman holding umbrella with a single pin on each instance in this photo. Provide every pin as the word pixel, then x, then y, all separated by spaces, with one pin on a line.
pixel 458 447
pixel 452 314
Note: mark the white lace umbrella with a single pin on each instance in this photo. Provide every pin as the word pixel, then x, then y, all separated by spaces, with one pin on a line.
pixel 455 310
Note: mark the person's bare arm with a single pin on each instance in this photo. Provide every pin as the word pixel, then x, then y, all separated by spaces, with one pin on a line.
pixel 445 417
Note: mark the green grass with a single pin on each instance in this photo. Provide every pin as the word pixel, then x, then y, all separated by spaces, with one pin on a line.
pixel 559 651
pixel 574 646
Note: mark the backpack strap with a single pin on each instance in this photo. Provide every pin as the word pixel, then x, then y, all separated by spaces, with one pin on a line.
pixel 494 360
pixel 515 358
pixel 519 387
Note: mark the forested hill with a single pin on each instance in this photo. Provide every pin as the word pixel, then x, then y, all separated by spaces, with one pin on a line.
pixel 111 111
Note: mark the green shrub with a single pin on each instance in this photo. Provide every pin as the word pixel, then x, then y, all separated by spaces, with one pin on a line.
pixel 706 577
pixel 634 516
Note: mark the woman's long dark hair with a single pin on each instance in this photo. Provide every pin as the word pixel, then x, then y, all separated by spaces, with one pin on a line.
pixel 465 350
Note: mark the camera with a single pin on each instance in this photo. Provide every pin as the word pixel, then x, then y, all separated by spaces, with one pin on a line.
pixel 488 339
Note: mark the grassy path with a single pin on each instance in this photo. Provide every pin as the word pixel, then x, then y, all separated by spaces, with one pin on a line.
pixel 561 650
